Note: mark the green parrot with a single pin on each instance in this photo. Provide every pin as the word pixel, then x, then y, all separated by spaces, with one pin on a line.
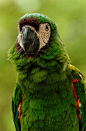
pixel 50 93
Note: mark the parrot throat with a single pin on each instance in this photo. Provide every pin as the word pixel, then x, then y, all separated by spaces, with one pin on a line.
pixel 22 52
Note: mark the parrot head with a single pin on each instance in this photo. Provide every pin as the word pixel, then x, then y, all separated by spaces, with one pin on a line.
pixel 38 38
pixel 34 33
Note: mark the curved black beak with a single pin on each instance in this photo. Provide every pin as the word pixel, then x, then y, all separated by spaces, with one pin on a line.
pixel 30 41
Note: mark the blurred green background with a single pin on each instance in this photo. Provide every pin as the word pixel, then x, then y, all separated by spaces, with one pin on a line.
pixel 70 16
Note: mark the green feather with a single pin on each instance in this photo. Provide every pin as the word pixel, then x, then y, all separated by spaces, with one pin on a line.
pixel 45 80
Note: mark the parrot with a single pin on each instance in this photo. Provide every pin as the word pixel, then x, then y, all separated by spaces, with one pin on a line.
pixel 49 93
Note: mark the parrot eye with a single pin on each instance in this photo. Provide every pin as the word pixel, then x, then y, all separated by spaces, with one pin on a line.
pixel 47 27
pixel 44 33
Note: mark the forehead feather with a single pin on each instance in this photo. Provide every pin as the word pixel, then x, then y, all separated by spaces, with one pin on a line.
pixel 41 18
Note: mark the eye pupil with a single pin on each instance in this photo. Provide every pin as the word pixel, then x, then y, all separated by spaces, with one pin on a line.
pixel 47 27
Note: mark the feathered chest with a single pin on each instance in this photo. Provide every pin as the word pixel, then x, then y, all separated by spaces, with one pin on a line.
pixel 48 108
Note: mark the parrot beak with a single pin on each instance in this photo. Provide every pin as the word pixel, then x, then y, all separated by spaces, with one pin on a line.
pixel 30 41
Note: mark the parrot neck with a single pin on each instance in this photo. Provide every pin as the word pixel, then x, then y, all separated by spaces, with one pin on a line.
pixel 48 68
pixel 41 77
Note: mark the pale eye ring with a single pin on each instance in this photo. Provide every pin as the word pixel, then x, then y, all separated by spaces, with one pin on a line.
pixel 47 27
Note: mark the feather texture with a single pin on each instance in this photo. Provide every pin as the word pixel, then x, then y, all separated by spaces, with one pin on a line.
pixel 53 89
